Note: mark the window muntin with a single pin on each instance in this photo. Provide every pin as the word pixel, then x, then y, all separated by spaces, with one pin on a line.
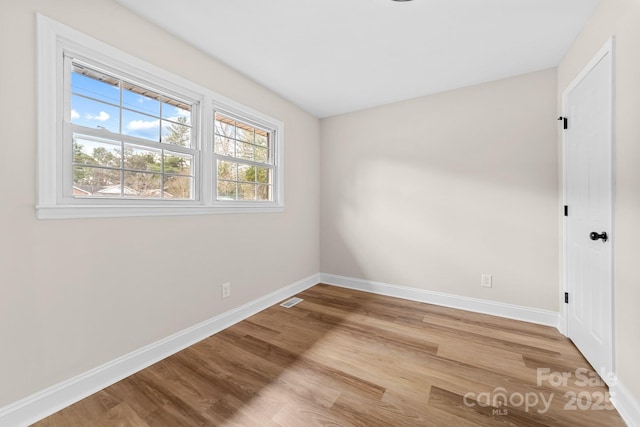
pixel 244 160
pixel 128 141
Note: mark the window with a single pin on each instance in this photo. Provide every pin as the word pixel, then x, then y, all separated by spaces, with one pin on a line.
pixel 128 141
pixel 120 137
pixel 244 160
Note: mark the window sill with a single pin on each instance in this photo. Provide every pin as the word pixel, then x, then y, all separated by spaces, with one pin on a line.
pixel 77 212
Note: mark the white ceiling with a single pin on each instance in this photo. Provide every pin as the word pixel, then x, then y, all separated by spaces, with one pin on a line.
pixel 336 56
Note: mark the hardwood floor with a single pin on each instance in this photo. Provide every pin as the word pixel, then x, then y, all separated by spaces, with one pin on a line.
pixel 348 358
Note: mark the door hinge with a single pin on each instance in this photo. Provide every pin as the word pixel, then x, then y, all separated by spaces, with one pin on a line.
pixel 566 210
pixel 566 297
pixel 565 122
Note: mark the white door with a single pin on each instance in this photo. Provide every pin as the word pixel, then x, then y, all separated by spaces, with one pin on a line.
pixel 588 108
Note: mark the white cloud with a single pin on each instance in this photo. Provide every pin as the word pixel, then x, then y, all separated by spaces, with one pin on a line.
pixel 74 115
pixel 179 112
pixel 102 117
pixel 142 124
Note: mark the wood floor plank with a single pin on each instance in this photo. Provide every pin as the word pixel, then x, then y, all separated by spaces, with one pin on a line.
pixel 121 415
pixel 348 358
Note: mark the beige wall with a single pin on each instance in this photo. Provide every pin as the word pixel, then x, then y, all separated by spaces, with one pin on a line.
pixel 620 18
pixel 426 193
pixel 77 293
pixel 432 192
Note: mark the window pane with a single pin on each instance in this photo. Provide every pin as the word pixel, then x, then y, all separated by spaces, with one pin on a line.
pixel 262 138
pixel 141 184
pixel 227 170
pixel 178 187
pixel 262 155
pixel 246 191
pixel 176 163
pixel 263 175
pixel 142 159
pixel 226 190
pixel 263 192
pixel 225 127
pixel 95 85
pixel 94 114
pixel 246 173
pixel 253 174
pixel 244 133
pixel 90 152
pixel 135 100
pixel 180 113
pixel 244 151
pixel 177 134
pixel 225 146
pixel 140 125
pixel 96 182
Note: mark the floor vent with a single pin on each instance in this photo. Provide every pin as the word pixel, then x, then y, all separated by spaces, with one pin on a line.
pixel 291 302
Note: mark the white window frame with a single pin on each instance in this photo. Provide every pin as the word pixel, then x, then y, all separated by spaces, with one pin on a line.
pixel 276 141
pixel 68 129
pixel 54 163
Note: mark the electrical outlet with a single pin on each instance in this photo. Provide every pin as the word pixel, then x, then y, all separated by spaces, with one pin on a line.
pixel 226 290
pixel 485 280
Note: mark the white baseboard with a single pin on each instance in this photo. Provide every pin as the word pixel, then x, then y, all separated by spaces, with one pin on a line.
pixel 627 405
pixel 527 314
pixel 46 402
pixel 562 324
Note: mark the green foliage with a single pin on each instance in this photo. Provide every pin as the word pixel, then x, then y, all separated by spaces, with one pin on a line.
pixel 94 177
pixel 176 164
pixel 262 175
pixel 142 160
pixel 93 169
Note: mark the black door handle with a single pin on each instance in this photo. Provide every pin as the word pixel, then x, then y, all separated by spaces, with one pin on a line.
pixel 596 236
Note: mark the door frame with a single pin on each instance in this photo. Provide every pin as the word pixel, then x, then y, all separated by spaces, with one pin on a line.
pixel 563 322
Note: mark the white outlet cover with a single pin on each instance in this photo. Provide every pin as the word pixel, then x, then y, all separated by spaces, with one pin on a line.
pixel 226 290
pixel 486 280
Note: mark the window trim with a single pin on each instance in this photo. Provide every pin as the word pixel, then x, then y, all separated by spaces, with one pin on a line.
pixel 278 158
pixel 54 41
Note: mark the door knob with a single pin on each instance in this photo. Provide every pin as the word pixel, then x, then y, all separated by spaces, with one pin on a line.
pixel 596 236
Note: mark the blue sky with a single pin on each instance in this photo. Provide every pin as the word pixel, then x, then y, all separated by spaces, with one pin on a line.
pixel 103 111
